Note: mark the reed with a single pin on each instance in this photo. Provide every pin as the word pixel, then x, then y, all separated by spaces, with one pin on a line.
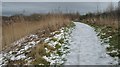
pixel 16 27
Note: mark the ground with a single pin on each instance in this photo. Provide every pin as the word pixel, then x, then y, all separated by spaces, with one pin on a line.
pixel 86 48
pixel 77 44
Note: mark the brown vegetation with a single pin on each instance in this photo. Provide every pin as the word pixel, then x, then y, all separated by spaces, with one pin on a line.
pixel 108 18
pixel 18 26
pixel 103 19
pixel 38 52
pixel 0 33
pixel 108 23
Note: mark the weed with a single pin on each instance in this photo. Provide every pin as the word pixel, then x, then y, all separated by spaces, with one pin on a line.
pixel 40 60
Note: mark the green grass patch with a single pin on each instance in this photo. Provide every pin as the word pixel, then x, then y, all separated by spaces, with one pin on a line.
pixel 107 32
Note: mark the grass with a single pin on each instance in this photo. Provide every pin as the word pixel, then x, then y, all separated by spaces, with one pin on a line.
pixel 113 42
pixel 0 33
pixel 38 52
pixel 20 26
pixel 107 32
pixel 18 62
pixel 0 37
pixel 39 60
pixel 43 28
pixel 61 40
pixel 107 24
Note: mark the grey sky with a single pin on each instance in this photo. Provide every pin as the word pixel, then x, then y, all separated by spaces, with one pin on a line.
pixel 10 8
pixel 60 0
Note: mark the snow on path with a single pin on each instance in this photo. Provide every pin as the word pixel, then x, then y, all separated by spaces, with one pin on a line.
pixel 86 48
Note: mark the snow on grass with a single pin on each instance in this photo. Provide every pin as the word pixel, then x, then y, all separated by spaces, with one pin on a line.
pixel 109 39
pixel 19 53
pixel 78 46
pixel 1 60
pixel 59 41
pixel 22 56
pixel 86 48
pixel 104 41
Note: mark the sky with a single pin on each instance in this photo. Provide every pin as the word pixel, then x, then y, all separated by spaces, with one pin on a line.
pixel 59 0
pixel 27 8
pixel 44 6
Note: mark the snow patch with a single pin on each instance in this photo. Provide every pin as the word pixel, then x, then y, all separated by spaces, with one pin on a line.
pixel 59 40
pixel 86 48
pixel 24 44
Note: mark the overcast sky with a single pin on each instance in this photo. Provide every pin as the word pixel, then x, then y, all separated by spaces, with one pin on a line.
pixel 11 8
pixel 59 0
pixel 15 7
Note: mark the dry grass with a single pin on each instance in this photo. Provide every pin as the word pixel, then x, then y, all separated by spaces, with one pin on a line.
pixel 0 33
pixel 105 22
pixel 17 27
pixel 38 52
pixel 108 18
pixel 102 20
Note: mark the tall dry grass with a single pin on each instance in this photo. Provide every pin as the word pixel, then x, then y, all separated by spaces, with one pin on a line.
pixel 0 33
pixel 110 19
pixel 16 27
